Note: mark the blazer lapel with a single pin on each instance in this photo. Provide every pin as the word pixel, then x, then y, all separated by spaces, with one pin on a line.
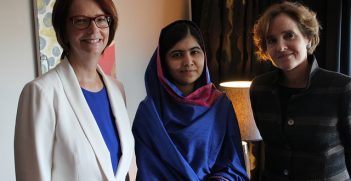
pixel 85 117
pixel 122 123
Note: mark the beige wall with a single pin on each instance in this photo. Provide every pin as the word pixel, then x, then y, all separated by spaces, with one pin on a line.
pixel 136 40
pixel 17 67
pixel 137 35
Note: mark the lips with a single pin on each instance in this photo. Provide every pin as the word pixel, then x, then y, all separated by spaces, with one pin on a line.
pixel 285 55
pixel 92 40
pixel 185 71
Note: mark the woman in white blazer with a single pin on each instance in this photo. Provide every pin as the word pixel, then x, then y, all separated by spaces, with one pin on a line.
pixel 71 122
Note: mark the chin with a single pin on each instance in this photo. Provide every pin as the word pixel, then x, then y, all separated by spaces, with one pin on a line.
pixel 287 69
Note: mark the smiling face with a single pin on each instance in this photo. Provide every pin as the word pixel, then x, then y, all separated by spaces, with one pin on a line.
pixel 92 40
pixel 285 43
pixel 185 63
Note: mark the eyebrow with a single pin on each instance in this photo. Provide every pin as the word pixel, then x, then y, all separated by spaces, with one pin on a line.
pixel 283 32
pixel 83 16
pixel 190 49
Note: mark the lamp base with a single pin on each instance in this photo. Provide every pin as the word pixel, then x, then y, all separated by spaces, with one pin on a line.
pixel 253 156
pixel 246 158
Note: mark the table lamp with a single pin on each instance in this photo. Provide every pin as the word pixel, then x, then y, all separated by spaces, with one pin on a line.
pixel 238 93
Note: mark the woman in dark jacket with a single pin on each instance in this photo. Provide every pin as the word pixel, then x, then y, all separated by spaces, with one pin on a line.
pixel 302 111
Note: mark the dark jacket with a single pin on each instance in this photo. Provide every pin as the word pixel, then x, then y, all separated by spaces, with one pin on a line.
pixel 313 142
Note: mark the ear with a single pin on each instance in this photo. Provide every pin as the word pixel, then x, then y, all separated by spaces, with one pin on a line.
pixel 309 43
pixel 308 46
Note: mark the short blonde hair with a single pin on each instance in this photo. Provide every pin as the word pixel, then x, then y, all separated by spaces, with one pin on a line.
pixel 305 19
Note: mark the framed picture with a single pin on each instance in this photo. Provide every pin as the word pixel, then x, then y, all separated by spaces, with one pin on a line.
pixel 48 50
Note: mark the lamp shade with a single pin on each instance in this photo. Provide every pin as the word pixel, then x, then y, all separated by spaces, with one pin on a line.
pixel 238 93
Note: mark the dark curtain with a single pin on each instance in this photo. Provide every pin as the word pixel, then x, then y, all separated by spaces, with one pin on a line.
pixel 227 27
pixel 333 52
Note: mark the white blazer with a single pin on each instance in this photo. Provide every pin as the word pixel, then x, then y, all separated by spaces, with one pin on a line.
pixel 57 137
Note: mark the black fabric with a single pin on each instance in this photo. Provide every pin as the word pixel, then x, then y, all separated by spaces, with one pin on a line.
pixel 314 142
pixel 285 94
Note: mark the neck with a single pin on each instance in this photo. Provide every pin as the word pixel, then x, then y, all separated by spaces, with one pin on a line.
pixel 84 61
pixel 86 72
pixel 298 77
pixel 186 89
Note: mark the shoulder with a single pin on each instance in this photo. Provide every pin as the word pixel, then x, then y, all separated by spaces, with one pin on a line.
pixel 265 80
pixel 117 85
pixel 147 109
pixel 266 77
pixel 146 114
pixel 45 82
pixel 147 105
pixel 323 73
pixel 224 103
pixel 224 98
pixel 326 78
pixel 42 89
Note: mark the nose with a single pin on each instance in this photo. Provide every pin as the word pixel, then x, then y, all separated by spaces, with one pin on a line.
pixel 93 27
pixel 188 60
pixel 281 45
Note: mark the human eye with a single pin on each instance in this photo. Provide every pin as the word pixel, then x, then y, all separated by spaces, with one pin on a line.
pixel 196 51
pixel 289 35
pixel 81 21
pixel 101 19
pixel 176 54
pixel 270 40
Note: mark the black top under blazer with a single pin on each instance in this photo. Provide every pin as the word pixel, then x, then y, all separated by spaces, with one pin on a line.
pixel 313 142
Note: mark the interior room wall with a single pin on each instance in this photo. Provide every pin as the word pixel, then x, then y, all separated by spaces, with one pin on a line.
pixel 17 68
pixel 136 39
pixel 140 23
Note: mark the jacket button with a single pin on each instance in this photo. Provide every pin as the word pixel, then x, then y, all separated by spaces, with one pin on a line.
pixel 286 172
pixel 291 122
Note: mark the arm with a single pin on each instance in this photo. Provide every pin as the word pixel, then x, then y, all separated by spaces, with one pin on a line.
pixel 345 124
pixel 156 156
pixel 34 135
pixel 230 162
pixel 150 167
